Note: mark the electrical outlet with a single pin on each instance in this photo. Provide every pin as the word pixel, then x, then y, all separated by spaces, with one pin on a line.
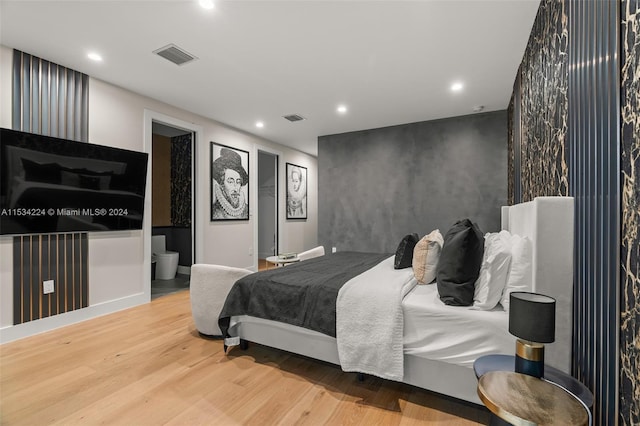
pixel 48 286
pixel 333 249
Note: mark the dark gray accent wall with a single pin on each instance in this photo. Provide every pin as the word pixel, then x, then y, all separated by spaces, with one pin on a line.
pixel 375 186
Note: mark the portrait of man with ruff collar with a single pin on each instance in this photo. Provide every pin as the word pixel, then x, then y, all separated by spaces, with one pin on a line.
pixel 229 183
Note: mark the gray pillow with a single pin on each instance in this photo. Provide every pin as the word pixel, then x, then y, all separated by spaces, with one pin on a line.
pixel 459 264
pixel 404 252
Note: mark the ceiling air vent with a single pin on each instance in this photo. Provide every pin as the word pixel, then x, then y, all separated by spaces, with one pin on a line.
pixel 173 53
pixel 294 117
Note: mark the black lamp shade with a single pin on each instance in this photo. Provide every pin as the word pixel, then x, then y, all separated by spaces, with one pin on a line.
pixel 532 316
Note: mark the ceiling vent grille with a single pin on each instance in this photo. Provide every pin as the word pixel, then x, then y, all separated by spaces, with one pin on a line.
pixel 294 117
pixel 173 53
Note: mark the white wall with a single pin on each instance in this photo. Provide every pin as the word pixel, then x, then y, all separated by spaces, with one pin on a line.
pixel 119 261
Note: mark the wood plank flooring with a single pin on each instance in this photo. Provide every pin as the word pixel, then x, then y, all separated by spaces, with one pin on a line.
pixel 148 366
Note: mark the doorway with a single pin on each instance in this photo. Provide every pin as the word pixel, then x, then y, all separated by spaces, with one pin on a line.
pixel 267 207
pixel 172 193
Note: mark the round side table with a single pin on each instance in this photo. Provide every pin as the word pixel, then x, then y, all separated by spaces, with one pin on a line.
pixel 276 260
pixel 525 400
pixel 488 363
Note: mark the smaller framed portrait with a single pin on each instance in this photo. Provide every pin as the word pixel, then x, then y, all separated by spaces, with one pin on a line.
pixel 229 183
pixel 296 191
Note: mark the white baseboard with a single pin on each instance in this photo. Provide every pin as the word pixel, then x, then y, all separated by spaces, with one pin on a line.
pixel 184 270
pixel 20 331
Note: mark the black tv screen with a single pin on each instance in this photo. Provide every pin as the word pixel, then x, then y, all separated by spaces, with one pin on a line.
pixel 51 185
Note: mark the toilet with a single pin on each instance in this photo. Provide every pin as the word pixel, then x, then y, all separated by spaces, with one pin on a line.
pixel 166 261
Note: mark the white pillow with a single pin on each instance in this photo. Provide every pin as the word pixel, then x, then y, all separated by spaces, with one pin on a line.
pixel 494 270
pixel 521 270
pixel 426 254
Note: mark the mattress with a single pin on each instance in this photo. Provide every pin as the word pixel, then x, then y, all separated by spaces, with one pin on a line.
pixel 432 330
pixel 453 334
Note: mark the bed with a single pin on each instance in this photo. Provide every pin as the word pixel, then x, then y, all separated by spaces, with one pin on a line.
pixel 438 343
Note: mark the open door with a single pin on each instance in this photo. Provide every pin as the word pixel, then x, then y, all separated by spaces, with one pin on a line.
pixel 267 206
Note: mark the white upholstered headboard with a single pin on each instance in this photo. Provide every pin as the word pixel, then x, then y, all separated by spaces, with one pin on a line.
pixel 548 222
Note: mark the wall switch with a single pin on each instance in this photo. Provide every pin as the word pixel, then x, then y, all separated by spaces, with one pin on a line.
pixel 48 286
pixel 333 249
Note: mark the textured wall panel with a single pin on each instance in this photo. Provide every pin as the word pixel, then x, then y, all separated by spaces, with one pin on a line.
pixel 511 171
pixel 543 106
pixel 630 209
pixel 49 99
pixel 594 140
pixel 58 257
pixel 181 181
pixel 376 186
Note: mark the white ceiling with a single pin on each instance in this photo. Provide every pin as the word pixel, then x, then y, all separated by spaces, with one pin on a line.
pixel 390 62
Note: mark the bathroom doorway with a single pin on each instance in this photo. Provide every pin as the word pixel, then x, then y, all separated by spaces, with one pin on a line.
pixel 267 207
pixel 172 218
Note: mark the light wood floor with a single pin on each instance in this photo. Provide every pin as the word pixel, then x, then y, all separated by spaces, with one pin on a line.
pixel 148 366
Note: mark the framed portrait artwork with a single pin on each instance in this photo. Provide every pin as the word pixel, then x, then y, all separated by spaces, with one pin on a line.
pixel 296 191
pixel 229 183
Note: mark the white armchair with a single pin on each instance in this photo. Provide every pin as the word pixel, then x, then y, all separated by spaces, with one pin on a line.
pixel 309 254
pixel 209 287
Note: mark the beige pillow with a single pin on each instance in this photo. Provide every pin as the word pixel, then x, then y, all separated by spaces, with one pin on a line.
pixel 426 255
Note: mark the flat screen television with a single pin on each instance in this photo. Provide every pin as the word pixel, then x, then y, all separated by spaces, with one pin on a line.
pixel 52 185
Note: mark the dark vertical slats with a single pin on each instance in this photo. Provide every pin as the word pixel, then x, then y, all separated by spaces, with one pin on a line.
pixel 26 280
pixel 594 138
pixel 60 273
pixel 17 280
pixel 77 278
pixel 60 257
pixel 45 268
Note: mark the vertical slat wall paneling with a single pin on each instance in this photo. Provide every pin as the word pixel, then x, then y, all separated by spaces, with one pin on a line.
pixel 51 100
pixel 59 257
pixel 61 272
pixel 594 164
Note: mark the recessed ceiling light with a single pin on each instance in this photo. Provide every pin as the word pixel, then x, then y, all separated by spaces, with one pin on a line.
pixel 342 109
pixel 260 124
pixel 456 87
pixel 206 4
pixel 94 57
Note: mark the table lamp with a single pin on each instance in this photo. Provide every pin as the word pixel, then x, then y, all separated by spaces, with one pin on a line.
pixel 532 319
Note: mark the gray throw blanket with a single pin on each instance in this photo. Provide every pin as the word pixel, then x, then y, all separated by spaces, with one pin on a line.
pixel 302 294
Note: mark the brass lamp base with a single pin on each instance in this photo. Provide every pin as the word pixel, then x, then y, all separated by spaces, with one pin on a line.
pixel 529 358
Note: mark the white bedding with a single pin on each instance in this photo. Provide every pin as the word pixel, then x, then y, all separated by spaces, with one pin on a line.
pixel 453 334
pixel 369 321
pixel 431 330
